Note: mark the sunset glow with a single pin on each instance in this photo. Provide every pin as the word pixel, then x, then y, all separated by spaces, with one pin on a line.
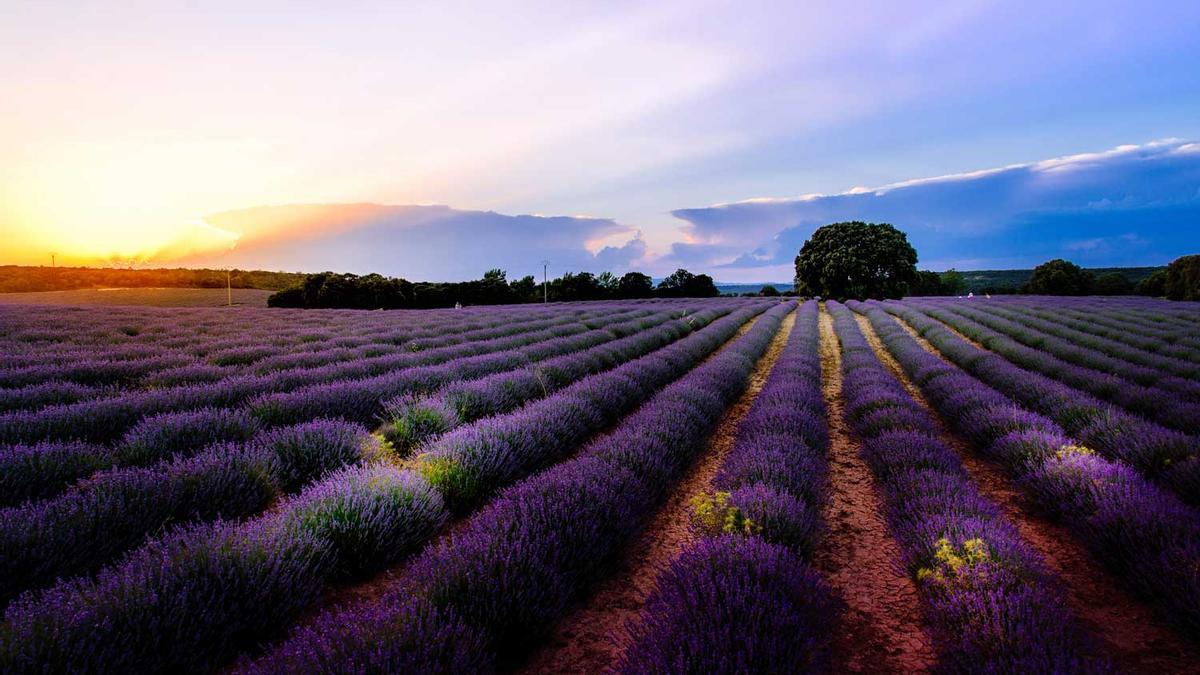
pixel 127 129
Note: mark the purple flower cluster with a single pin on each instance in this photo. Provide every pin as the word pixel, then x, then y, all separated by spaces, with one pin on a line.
pixel 181 434
pixel 44 469
pixel 734 604
pixel 498 584
pixel 748 602
pixel 988 599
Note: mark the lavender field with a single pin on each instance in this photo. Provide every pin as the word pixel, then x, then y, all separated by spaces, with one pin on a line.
pixel 723 485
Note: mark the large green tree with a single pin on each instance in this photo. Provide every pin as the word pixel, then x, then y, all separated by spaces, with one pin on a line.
pixel 635 285
pixel 1183 278
pixel 1059 277
pixel 856 260
pixel 683 284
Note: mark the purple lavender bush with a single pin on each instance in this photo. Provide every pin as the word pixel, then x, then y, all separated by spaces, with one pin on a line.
pixel 734 604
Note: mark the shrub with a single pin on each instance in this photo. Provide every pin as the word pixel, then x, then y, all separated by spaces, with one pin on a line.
pixel 307 451
pixel 371 516
pixel 183 433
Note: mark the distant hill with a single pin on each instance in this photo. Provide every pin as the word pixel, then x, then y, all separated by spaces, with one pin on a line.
pixel 978 280
pixel 26 279
pixel 737 289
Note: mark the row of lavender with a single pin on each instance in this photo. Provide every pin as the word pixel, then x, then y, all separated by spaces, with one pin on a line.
pixel 744 598
pixel 198 596
pixel 1145 535
pixel 39 469
pixel 487 594
pixel 1163 455
pixel 42 469
pixel 99 348
pixel 105 418
pixel 1117 323
pixel 987 596
pixel 115 509
pixel 1168 394
pixel 1170 321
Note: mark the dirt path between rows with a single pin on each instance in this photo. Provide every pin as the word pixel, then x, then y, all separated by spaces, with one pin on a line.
pixel 591 638
pixel 881 630
pixel 1126 629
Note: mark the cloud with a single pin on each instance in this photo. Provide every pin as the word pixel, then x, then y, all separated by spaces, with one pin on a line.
pixel 1134 204
pixel 418 242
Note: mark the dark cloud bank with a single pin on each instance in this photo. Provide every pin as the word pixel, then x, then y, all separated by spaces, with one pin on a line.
pixel 1134 205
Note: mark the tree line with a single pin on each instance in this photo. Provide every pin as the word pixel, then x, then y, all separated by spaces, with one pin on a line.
pixel 27 278
pixel 874 260
pixel 332 290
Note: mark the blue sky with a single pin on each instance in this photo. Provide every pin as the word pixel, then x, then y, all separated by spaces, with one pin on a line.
pixel 135 131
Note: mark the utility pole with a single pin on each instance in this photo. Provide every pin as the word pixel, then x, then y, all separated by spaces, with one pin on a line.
pixel 229 286
pixel 545 286
pixel 52 263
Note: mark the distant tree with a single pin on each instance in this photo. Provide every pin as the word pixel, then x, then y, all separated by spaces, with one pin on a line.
pixel 635 285
pixel 927 283
pixel 492 289
pixel 1059 277
pixel 675 283
pixel 683 284
pixel 856 260
pixel 1154 285
pixel 953 282
pixel 573 287
pixel 288 297
pixel 609 283
pixel 525 289
pixel 1113 283
pixel 1183 278
pixel 703 286
pixel 769 292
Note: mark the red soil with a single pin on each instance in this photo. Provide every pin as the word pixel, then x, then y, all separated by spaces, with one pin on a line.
pixel 591 638
pixel 1126 629
pixel 881 629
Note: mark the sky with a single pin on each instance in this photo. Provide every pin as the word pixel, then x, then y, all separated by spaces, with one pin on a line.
pixel 436 140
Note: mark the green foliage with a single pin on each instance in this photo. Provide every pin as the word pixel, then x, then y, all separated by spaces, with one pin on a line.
pixel 1113 283
pixel 288 297
pixel 1183 278
pixel 955 566
pixel 526 289
pixel 571 287
pixel 635 285
pixel 932 283
pixel 953 282
pixel 769 292
pixel 1059 277
pixel 414 423
pixel 683 284
pixel 714 515
pixel 24 278
pixel 856 260
pixel 1154 285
